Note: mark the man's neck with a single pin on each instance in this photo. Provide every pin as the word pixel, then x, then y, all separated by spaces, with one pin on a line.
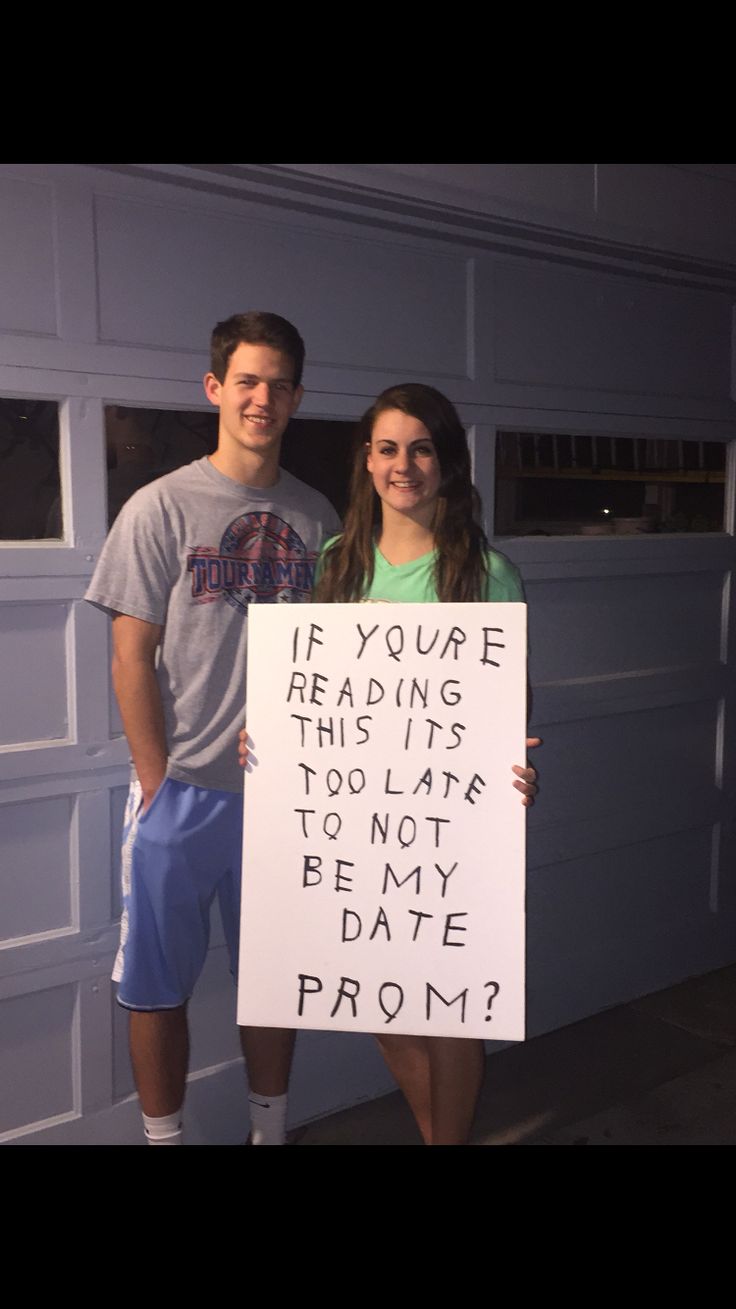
pixel 247 468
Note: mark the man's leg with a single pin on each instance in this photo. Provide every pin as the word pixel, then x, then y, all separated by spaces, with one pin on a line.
pixel 159 1053
pixel 268 1053
pixel 167 857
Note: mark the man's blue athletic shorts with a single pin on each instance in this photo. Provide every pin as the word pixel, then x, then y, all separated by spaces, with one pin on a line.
pixel 176 857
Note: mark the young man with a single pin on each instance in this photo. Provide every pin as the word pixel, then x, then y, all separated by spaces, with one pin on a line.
pixel 185 558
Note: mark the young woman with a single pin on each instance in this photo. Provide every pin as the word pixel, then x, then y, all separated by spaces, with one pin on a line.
pixel 412 533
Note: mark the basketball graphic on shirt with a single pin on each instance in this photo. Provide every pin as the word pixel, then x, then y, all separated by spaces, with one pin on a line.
pixel 269 563
pixel 260 560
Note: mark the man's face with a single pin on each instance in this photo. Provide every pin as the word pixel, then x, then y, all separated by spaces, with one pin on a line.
pixel 256 400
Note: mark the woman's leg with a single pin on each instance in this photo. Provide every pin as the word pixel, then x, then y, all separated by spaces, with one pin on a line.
pixel 456 1069
pixel 407 1059
pixel 441 1079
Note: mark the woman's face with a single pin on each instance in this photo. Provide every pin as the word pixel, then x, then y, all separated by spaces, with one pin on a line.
pixel 403 463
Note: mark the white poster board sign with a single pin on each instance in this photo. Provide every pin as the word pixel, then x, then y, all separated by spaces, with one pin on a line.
pixel 384 842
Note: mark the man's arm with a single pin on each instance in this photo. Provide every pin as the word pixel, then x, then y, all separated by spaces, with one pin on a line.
pixel 139 699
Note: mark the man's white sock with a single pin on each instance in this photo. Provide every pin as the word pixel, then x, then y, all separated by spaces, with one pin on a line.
pixel 267 1119
pixel 164 1131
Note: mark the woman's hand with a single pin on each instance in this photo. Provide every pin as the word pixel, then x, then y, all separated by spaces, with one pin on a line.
pixel 243 752
pixel 527 782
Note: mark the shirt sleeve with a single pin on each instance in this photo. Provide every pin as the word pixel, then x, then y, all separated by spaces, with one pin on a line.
pixel 135 571
pixel 504 579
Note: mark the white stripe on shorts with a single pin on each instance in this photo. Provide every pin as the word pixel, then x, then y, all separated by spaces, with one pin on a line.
pixel 130 828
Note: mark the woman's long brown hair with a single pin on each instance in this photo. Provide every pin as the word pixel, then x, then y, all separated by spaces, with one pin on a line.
pixel 460 571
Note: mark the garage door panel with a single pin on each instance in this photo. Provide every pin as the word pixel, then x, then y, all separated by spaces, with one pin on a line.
pixel 590 627
pixel 38 1037
pixel 604 767
pixel 37 870
pixel 33 690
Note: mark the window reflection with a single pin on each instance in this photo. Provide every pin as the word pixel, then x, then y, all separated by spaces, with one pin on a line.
pixel 563 484
pixel 319 451
pixel 30 488
pixel 143 444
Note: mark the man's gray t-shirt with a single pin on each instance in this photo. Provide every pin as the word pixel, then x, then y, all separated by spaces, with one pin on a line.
pixel 190 552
